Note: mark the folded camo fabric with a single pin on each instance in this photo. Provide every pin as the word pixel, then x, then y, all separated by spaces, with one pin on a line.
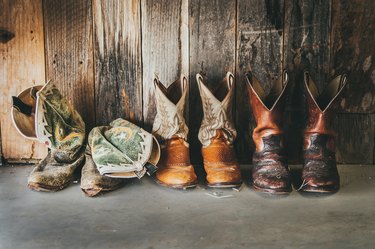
pixel 123 150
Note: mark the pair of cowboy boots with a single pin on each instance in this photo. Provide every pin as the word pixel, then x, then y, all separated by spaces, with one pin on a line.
pixel 270 168
pixel 120 150
pixel 216 134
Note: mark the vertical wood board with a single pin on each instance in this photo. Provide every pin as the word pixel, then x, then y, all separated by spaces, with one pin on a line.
pixel 118 61
pixel 212 32
pixel 355 141
pixel 164 48
pixel 260 45
pixel 22 66
pixel 353 42
pixel 306 48
pixel 69 58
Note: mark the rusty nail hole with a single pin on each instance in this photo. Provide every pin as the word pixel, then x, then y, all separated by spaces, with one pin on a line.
pixel 54 62
pixel 31 31
pixel 81 62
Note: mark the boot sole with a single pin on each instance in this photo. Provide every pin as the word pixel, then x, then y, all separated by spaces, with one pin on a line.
pixel 225 185
pixel 46 188
pixel 285 191
pixel 177 186
pixel 325 189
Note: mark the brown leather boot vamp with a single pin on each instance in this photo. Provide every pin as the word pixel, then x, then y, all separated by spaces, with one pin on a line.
pixel 220 164
pixel 175 169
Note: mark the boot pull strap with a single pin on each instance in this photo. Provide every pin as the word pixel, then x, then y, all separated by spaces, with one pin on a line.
pixel 183 83
pixel 342 82
pixel 230 80
pixel 21 106
pixel 285 78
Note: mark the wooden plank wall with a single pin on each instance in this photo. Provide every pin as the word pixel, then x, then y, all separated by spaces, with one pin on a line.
pixel 103 55
pixel 21 66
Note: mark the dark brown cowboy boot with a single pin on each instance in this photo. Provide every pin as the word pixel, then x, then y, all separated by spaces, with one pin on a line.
pixel 320 172
pixel 175 169
pixel 217 133
pixel 270 169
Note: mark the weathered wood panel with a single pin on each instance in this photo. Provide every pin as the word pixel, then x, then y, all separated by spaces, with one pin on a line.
pixel 355 138
pixel 212 29
pixel 306 48
pixel 353 42
pixel 22 66
pixel 260 45
pixel 68 47
pixel 164 47
pixel 118 61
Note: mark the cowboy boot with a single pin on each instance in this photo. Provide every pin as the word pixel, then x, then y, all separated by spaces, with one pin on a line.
pixel 41 113
pixel 174 167
pixel 116 152
pixel 217 134
pixel 270 171
pixel 320 173
pixel 93 183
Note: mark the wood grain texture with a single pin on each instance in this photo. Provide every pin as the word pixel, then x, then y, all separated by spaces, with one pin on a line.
pixel 212 29
pixel 260 45
pixel 353 42
pixel 355 141
pixel 306 48
pixel 22 66
pixel 69 58
pixel 164 48
pixel 118 61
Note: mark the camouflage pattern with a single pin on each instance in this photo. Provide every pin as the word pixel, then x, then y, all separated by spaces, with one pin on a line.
pixel 121 149
pixel 42 113
pixel 58 124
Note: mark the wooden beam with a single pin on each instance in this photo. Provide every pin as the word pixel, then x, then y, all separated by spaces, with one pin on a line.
pixel 355 138
pixel 22 66
pixel 118 61
pixel 165 49
pixel 306 48
pixel 259 48
pixel 69 53
pixel 212 30
pixel 353 42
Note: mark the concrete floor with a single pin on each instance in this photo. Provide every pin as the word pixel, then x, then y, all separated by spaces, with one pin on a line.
pixel 144 215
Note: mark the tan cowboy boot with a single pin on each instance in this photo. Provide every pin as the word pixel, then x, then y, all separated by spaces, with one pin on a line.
pixel 41 113
pixel 175 169
pixel 217 134
pixel 320 172
pixel 270 171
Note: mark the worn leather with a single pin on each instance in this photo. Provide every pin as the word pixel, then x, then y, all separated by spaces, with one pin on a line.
pixel 270 171
pixel 50 175
pixel 220 163
pixel 175 169
pixel 217 133
pixel 93 183
pixel 320 173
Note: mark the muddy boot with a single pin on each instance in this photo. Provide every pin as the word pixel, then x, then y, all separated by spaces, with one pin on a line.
pixel 217 134
pixel 320 172
pixel 270 171
pixel 41 113
pixel 93 183
pixel 174 167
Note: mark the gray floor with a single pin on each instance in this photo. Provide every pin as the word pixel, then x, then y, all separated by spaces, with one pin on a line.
pixel 144 215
